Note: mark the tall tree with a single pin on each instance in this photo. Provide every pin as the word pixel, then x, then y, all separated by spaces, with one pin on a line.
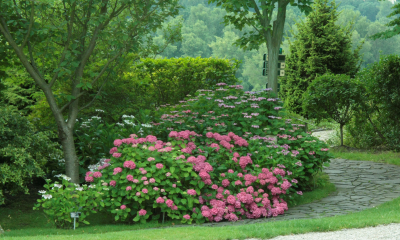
pixel 81 42
pixel 321 47
pixel 261 20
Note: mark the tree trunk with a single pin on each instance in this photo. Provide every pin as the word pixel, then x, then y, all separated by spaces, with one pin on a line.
pixel 273 52
pixel 341 134
pixel 273 44
pixel 65 135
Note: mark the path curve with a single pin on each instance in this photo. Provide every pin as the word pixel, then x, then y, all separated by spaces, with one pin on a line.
pixel 359 185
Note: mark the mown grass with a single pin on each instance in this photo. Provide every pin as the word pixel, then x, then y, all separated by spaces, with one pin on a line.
pixel 383 214
pixel 387 157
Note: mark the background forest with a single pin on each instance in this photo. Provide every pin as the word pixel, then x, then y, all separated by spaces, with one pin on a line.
pixel 204 36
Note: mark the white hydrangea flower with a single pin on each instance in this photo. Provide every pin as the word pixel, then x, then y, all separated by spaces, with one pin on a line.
pixel 99 110
pixel 92 186
pixel 58 185
pixel 48 196
pixel 42 191
pixel 66 178
pixel 79 188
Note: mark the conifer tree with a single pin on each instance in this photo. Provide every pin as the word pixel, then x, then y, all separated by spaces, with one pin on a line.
pixel 320 47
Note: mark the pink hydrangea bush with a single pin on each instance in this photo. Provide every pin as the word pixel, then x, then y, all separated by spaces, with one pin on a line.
pixel 257 117
pixel 185 181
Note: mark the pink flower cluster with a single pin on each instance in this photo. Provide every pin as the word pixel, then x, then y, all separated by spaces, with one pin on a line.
pixel 117 170
pixel 129 164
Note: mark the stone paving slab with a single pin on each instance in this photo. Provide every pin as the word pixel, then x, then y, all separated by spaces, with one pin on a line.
pixel 360 185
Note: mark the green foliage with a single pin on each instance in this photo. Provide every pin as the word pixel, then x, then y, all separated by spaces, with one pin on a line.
pixel 21 91
pixel 321 47
pixel 381 105
pixel 60 200
pixel 23 152
pixel 333 97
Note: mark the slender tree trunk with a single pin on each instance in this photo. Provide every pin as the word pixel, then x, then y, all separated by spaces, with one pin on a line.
pixel 341 134
pixel 66 137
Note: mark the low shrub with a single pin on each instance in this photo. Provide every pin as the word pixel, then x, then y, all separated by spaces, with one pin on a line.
pixel 59 200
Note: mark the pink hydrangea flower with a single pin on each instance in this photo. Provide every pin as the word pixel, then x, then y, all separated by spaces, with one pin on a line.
pixel 186 216
pixel 225 182
pixel 129 178
pixel 129 164
pixel 123 207
pixel 160 200
pixel 112 183
pixel 135 180
pixel 238 182
pixel 97 174
pixel 117 142
pixel 117 170
pixel 144 190
pixel 214 186
pixel 159 165
pixel 128 188
pixel 300 192
pixel 151 148
pixel 167 174
pixel 152 180
pixel 116 155
pixel 142 212
pixel 222 174
pixel 146 183
pixel 89 179
pixel 151 159
pixel 169 203
pixel 144 178
pixel 155 188
pixel 143 172
pixel 191 192
pixel 138 194
pixel 174 185
pixel 113 150
pixel 230 171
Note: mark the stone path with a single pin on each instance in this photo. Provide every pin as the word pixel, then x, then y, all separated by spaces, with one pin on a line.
pixel 359 184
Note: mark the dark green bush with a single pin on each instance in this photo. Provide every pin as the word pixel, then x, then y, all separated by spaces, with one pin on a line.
pixel 23 152
pixel 377 122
